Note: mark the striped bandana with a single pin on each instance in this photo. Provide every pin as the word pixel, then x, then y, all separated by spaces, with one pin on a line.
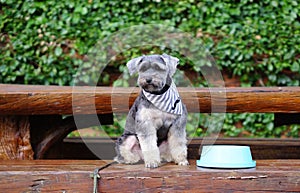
pixel 169 101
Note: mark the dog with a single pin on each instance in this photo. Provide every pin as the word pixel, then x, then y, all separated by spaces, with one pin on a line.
pixel 155 125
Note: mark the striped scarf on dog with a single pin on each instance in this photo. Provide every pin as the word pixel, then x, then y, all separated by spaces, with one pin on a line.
pixel 168 101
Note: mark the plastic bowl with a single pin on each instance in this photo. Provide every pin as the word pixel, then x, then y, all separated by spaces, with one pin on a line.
pixel 226 156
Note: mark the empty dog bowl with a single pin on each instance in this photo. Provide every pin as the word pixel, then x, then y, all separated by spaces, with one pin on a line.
pixel 226 156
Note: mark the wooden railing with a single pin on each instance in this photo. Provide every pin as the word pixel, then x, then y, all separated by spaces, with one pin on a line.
pixel 49 100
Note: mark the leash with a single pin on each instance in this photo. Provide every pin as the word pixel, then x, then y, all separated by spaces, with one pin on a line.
pixel 96 175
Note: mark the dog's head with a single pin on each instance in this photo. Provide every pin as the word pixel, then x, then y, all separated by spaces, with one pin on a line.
pixel 155 71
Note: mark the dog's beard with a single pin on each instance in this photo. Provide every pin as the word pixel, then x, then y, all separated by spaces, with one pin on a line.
pixel 152 87
pixel 156 86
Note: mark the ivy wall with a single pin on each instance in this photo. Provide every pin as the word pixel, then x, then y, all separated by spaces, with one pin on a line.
pixel 254 42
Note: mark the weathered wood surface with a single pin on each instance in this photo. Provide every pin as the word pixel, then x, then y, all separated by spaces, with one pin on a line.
pixel 103 148
pixel 34 100
pixel 74 176
pixel 47 176
pixel 15 138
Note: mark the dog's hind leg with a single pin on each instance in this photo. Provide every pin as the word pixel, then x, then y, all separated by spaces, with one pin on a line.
pixel 164 150
pixel 129 151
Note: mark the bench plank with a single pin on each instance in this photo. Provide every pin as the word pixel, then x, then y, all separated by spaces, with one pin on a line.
pixel 74 176
pixel 40 100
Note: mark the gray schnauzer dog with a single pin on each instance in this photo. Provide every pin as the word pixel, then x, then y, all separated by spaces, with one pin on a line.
pixel 155 125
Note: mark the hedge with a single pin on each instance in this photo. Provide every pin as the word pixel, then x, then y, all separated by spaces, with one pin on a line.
pixel 255 41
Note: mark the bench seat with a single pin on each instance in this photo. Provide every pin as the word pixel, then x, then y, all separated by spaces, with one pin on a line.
pixel 74 176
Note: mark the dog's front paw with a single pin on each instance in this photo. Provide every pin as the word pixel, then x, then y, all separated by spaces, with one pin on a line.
pixel 183 163
pixel 152 158
pixel 152 164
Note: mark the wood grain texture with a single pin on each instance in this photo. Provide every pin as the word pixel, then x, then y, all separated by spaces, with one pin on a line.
pixel 15 138
pixel 37 100
pixel 74 176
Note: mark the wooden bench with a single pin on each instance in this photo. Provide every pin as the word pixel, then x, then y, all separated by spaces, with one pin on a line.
pixel 34 120
pixel 74 176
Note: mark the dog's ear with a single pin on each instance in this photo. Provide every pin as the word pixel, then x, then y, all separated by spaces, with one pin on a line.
pixel 133 63
pixel 171 63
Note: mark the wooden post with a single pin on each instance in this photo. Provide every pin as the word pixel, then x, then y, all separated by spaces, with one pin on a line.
pixel 15 138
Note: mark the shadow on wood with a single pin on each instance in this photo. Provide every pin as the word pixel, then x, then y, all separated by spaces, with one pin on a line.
pixel 103 148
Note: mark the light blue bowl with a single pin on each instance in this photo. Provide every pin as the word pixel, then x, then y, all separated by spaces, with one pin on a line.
pixel 226 156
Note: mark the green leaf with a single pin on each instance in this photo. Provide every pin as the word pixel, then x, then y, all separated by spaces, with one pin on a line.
pixel 295 67
pixel 84 11
pixel 274 3
pixel 58 51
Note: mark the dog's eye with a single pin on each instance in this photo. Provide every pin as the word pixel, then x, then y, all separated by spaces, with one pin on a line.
pixel 158 67
pixel 143 68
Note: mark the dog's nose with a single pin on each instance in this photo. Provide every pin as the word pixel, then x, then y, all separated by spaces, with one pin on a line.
pixel 149 80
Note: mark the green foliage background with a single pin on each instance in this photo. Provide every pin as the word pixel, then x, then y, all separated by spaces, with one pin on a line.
pixel 45 42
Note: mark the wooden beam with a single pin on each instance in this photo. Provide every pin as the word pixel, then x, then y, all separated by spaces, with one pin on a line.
pixel 39 100
pixel 269 175
pixel 74 176
pixel 103 148
pixel 47 175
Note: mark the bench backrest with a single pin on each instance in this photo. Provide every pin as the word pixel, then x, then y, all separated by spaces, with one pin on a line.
pixel 41 100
